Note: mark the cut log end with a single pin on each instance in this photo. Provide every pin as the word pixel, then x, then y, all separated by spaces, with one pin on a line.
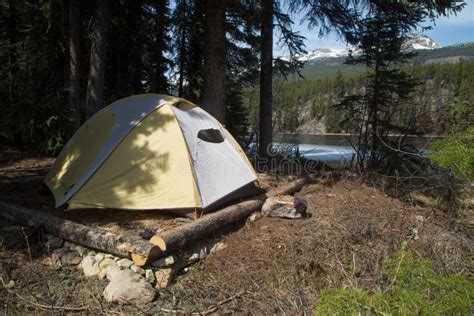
pixel 158 241
pixel 139 260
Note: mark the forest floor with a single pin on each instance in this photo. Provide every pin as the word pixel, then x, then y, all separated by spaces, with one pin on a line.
pixel 268 266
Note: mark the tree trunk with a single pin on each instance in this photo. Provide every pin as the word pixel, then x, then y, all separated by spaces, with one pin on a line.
pixel 74 61
pixel 266 65
pixel 213 99
pixel 182 43
pixel 95 83
pixel 136 248
pixel 195 64
pixel 160 47
pixel 12 53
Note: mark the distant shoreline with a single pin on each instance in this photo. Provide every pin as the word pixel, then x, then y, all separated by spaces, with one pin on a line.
pixel 347 134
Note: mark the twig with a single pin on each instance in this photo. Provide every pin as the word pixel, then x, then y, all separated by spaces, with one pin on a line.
pixel 216 306
pixel 45 307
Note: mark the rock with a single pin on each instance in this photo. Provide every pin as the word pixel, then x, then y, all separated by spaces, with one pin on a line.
pixel 137 269
pixel 285 206
pixel 106 262
pixel 99 257
pixel 102 274
pixel 150 276
pixel 164 262
pixel 80 249
pixel 53 242
pixel 111 271
pixel 124 263
pixel 163 278
pixel 69 257
pixel 89 266
pixel 53 261
pixel 255 216
pixel 127 287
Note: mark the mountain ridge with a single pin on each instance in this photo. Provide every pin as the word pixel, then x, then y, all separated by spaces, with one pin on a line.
pixel 414 42
pixel 329 65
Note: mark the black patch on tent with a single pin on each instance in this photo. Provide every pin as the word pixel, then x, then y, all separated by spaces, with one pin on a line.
pixel 211 135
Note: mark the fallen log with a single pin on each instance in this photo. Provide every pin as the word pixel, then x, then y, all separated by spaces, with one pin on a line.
pixel 181 236
pixel 139 250
pixel 88 236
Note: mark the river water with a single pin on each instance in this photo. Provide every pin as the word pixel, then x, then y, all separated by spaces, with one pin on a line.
pixel 333 147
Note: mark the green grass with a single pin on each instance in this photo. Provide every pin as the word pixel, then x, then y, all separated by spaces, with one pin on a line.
pixel 414 288
pixel 457 153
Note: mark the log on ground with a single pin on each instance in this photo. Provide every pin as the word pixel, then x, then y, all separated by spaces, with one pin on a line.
pixel 91 237
pixel 173 240
pixel 139 250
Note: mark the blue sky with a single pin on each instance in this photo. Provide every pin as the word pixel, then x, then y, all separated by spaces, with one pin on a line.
pixel 447 31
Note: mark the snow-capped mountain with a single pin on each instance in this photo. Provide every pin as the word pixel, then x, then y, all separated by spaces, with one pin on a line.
pixel 414 42
pixel 419 41
pixel 319 53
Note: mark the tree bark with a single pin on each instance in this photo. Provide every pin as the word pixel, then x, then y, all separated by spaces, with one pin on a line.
pixel 182 43
pixel 95 83
pixel 12 52
pixel 213 100
pixel 266 77
pixel 74 61
pixel 80 234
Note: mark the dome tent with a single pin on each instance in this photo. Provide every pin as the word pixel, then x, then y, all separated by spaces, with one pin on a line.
pixel 150 151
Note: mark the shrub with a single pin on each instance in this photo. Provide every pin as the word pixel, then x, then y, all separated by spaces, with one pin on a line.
pixel 456 153
pixel 414 289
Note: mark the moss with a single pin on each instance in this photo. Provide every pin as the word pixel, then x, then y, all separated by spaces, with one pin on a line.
pixel 414 288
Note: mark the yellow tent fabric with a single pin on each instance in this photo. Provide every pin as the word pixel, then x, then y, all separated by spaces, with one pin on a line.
pixel 146 170
pixel 73 160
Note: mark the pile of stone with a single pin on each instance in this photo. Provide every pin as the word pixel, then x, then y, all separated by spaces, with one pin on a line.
pixel 127 282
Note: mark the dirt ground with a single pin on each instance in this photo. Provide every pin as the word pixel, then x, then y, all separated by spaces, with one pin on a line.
pixel 268 266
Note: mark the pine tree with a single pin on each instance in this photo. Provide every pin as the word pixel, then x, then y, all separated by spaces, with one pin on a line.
pixel 379 37
pixel 34 73
pixel 188 47
pixel 266 79
pixel 242 63
pixel 157 45
pixel 74 61
pixel 97 61
pixel 213 98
